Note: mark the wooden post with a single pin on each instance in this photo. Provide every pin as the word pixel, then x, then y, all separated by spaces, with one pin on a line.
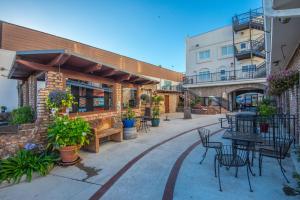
pixel 187 107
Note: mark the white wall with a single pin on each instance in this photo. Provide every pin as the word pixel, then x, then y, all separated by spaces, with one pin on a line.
pixel 8 93
pixel 8 88
pixel 214 41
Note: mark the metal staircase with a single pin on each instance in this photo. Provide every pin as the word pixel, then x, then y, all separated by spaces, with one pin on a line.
pixel 252 19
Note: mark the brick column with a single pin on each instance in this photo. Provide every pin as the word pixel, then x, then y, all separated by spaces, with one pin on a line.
pixel 54 81
pixel 25 97
pixel 117 98
pixel 32 93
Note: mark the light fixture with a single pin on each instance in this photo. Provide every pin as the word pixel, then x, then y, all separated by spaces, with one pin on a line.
pixel 276 62
pixel 284 20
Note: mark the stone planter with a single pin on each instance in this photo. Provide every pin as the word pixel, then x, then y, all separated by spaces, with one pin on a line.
pixel 130 133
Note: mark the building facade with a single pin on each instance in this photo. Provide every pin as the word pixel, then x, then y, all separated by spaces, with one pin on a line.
pixel 283 53
pixel 228 62
pixel 16 38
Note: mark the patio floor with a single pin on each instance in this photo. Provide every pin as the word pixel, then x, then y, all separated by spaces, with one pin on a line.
pixel 161 164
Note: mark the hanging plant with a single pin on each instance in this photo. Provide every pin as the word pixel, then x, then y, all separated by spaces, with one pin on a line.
pixel 282 81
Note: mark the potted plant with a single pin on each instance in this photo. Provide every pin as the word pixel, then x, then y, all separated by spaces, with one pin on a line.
pixel 145 98
pixel 129 118
pixel 59 101
pixel 129 124
pixel 3 109
pixel 265 110
pixel 68 135
pixel 156 99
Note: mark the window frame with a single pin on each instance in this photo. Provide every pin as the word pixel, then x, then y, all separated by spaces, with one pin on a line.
pixel 206 52
pixel 228 49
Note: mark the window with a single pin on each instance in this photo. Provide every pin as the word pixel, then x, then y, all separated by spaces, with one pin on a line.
pixel 204 55
pixel 90 96
pixel 227 51
pixel 249 68
pixel 129 97
pixel 243 45
pixel 204 76
pixel 223 74
pixel 167 85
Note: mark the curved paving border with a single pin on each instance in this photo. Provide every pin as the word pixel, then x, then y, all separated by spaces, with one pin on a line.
pixel 170 185
pixel 99 193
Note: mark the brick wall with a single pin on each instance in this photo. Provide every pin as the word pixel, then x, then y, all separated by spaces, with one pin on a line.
pixel 11 142
pixel 289 101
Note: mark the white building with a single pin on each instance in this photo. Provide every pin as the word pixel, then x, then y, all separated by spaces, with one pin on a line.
pixel 232 55
pixel 8 87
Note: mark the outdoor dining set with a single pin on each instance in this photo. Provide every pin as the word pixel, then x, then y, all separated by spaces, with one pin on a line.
pixel 250 141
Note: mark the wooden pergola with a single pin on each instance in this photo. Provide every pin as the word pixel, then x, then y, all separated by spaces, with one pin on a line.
pixel 64 61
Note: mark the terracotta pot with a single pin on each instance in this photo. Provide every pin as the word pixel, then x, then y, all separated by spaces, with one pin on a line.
pixel 264 127
pixel 69 153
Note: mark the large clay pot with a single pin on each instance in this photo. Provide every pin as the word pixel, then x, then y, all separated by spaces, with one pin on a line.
pixel 69 154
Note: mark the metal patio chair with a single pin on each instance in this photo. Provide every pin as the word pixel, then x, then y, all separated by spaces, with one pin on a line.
pixel 278 151
pixel 204 137
pixel 232 156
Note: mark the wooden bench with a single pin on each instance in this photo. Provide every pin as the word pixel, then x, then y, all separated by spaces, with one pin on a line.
pixel 107 127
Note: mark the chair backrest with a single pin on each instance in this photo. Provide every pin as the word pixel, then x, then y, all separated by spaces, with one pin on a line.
pixel 236 152
pixel 282 146
pixel 246 126
pixel 147 112
pixel 204 136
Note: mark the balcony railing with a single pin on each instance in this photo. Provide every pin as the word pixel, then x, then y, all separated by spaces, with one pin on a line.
pixel 251 16
pixel 255 47
pixel 254 18
pixel 223 76
pixel 174 88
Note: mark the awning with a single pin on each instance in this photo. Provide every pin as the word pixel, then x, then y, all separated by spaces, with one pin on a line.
pixel 29 62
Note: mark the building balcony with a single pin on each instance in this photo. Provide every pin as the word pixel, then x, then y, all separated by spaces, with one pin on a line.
pixel 252 19
pixel 227 77
pixel 171 88
pixel 250 48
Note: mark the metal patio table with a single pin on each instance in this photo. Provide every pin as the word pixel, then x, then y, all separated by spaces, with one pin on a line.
pixel 248 139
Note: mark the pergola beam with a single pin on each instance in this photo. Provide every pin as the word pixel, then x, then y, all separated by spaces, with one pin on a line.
pixel 109 72
pixel 124 77
pixel 59 60
pixel 92 68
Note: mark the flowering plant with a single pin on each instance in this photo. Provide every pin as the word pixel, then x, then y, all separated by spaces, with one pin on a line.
pixel 68 132
pixel 58 99
pixel 281 81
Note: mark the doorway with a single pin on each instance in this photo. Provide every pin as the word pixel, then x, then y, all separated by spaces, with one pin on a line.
pixel 167 104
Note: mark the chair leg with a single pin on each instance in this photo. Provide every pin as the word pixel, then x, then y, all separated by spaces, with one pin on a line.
pixel 203 156
pixel 260 163
pixel 219 176
pixel 282 170
pixel 248 168
pixel 236 172
pixel 215 163
pixel 252 159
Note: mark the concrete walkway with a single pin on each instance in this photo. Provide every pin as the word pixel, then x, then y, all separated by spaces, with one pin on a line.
pixel 139 169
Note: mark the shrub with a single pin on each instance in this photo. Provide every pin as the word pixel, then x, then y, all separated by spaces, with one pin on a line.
pixel 26 163
pixel 68 132
pixel 22 115
pixel 129 114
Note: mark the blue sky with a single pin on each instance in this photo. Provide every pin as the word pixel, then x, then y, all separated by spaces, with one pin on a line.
pixel 150 30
